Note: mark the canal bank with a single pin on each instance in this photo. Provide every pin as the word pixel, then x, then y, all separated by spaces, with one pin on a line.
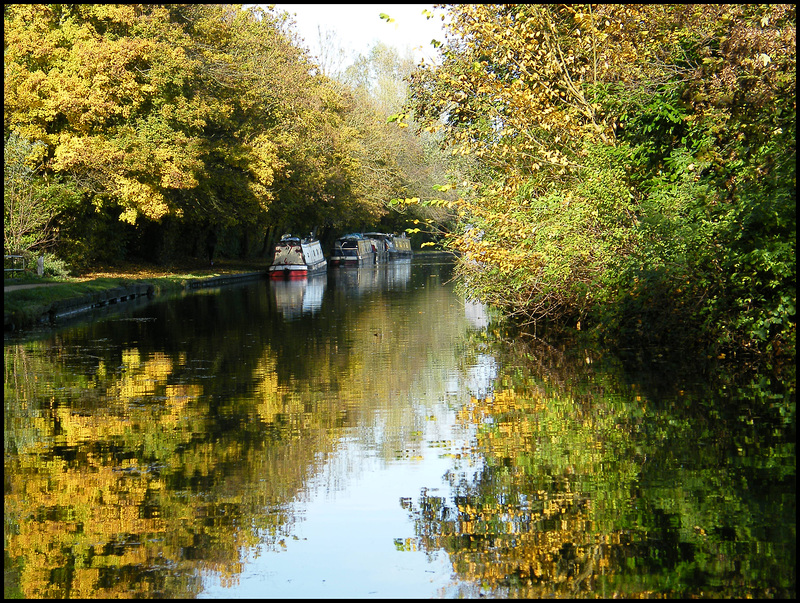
pixel 27 305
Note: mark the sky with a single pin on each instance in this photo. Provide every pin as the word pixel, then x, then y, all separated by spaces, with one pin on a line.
pixel 358 26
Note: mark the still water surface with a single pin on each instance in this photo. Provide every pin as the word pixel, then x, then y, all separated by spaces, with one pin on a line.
pixel 368 433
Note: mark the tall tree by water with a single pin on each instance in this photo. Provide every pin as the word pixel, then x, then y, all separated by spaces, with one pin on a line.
pixel 635 164
pixel 181 124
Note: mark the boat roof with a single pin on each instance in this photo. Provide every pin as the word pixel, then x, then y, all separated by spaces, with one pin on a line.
pixel 287 238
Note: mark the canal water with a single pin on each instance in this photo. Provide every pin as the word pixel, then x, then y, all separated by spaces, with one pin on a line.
pixel 369 434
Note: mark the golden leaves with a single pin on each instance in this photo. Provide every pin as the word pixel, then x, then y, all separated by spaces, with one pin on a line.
pixel 109 101
pixel 139 197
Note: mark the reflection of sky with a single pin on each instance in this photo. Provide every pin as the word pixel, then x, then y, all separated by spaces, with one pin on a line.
pixel 346 534
pixel 349 517
pixel 481 376
pixel 476 314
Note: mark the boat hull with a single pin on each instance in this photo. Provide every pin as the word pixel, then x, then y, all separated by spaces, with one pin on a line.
pixel 352 260
pixel 297 259
pixel 285 272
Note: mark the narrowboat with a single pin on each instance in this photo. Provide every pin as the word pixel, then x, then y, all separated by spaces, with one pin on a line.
pixel 401 246
pixel 353 249
pixel 296 258
pixel 395 246
pixel 380 244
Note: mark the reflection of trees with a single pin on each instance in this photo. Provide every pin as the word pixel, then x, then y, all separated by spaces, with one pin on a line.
pixel 134 497
pixel 130 471
pixel 589 488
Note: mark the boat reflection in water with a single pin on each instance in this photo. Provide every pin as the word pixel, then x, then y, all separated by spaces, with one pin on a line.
pixel 299 296
pixel 358 280
pixel 398 272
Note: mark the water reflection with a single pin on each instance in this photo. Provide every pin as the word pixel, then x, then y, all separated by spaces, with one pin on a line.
pixel 145 452
pixel 592 488
pixel 295 297
pixel 385 276
pixel 366 434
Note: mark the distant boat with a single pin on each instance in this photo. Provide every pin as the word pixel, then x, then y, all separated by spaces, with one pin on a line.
pixel 401 245
pixel 353 249
pixel 396 245
pixel 296 258
pixel 381 244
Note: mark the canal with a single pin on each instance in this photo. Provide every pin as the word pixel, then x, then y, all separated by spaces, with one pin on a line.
pixel 370 434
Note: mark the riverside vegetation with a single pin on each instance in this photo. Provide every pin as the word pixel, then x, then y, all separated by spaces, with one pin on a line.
pixel 619 173
pixel 634 167
pixel 624 169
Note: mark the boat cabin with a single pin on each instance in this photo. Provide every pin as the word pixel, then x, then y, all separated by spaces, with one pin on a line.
pixel 353 249
pixel 296 257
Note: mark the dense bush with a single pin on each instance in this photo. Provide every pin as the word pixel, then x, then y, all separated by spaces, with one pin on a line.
pixel 636 166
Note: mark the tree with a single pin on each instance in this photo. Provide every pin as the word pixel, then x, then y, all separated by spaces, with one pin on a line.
pixel 27 215
pixel 627 158
pixel 513 91
pixel 395 162
pixel 174 115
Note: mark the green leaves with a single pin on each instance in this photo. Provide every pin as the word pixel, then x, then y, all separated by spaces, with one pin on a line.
pixel 27 211
pixel 405 201
pixel 584 184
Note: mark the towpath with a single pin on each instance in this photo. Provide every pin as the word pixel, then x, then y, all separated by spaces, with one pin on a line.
pixel 29 286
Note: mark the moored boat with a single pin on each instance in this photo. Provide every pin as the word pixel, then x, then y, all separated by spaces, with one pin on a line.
pixel 395 246
pixel 381 244
pixel 401 246
pixel 353 249
pixel 297 258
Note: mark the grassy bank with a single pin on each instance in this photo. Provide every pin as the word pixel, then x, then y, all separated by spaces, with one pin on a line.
pixel 25 307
